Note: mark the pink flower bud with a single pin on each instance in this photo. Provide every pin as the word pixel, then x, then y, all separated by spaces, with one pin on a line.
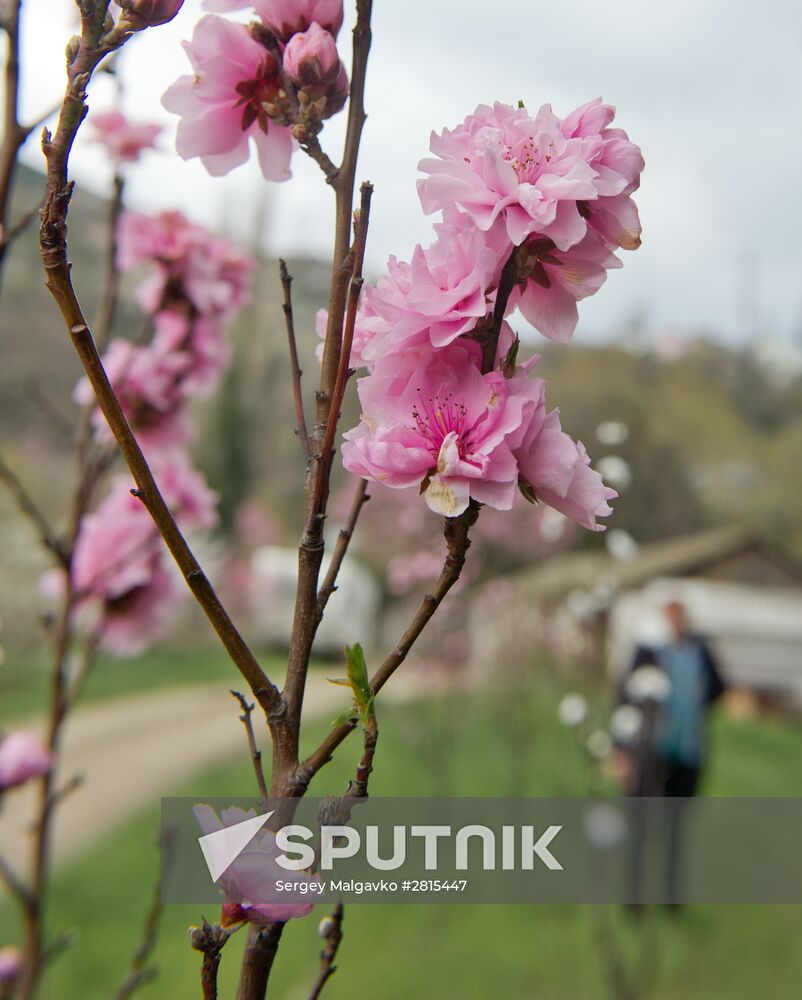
pixel 311 59
pixel 148 13
pixel 22 757
pixel 286 18
pixel 10 964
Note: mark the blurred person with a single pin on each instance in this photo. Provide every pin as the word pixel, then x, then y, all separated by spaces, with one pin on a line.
pixel 675 717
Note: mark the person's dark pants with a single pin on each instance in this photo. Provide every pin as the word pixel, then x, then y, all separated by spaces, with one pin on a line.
pixel 670 780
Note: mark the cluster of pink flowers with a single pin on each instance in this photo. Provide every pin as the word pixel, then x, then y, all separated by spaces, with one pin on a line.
pixel 272 81
pixel 550 197
pixel 125 141
pixel 124 584
pixel 194 284
pixel 22 757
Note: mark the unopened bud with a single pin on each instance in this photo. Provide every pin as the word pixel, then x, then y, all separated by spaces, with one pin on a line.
pixel 325 927
pixel 139 14
pixel 286 18
pixel 311 59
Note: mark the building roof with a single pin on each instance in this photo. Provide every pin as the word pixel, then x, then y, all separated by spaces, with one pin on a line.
pixel 690 555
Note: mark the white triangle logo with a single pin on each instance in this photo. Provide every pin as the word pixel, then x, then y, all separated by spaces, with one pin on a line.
pixel 222 848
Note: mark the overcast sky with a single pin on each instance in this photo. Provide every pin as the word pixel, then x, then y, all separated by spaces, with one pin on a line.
pixel 711 90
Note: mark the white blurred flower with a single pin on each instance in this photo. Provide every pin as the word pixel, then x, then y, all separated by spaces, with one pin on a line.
pixel 612 432
pixel 625 724
pixel 603 592
pixel 648 683
pixel 599 744
pixel 551 524
pixel 621 545
pixel 615 471
pixel 605 826
pixel 573 710
pixel 580 604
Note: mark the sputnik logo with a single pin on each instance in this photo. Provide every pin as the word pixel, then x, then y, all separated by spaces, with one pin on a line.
pixel 222 848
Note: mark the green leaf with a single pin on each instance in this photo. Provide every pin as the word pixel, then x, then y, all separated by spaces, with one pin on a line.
pixel 358 674
pixel 347 716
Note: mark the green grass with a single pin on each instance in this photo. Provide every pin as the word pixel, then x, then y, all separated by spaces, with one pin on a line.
pixel 495 743
pixel 24 681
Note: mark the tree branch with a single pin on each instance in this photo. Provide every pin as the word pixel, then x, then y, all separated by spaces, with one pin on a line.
pixel 311 146
pixel 13 133
pixel 256 753
pixel 456 531
pixel 140 972
pixel 15 884
pixel 329 584
pixel 28 507
pixel 300 419
pixel 260 953
pixel 332 933
pixel 310 553
pixel 107 309
pixel 343 185
pixel 209 940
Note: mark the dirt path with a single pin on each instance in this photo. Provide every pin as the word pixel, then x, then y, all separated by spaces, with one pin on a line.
pixel 132 750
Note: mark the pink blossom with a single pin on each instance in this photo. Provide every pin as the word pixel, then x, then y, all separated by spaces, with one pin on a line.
pixel 431 419
pixel 406 570
pixel 502 162
pixel 22 757
pixel 124 141
pixel 189 263
pixel 287 17
pixel 147 379
pixel 249 882
pixel 558 471
pixel 311 58
pixel 168 238
pixel 558 279
pixel 618 165
pixel 120 570
pixel 226 6
pixel 10 964
pixel 444 292
pixel 362 334
pixel 149 13
pixel 222 104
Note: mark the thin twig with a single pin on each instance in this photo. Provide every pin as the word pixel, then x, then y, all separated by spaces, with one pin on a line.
pixel 15 884
pixel 140 971
pixel 332 936
pixel 300 419
pixel 28 507
pixel 57 420
pixel 13 133
pixel 311 146
pixel 256 753
pixel 343 185
pixel 22 223
pixel 358 788
pixel 310 553
pixel 209 940
pixel 361 222
pixel 329 584
pixel 456 532
pixel 107 308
